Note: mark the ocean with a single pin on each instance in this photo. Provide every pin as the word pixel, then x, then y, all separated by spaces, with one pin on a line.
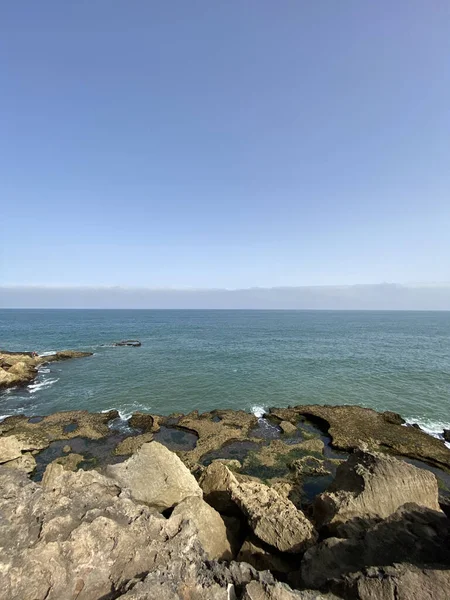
pixel 240 359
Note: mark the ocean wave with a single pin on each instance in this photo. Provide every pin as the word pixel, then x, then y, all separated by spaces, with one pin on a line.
pixel 35 387
pixel 44 370
pixel 258 411
pixel 433 428
pixel 48 353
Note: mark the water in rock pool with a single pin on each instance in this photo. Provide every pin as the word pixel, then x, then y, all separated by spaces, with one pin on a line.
pixel 249 360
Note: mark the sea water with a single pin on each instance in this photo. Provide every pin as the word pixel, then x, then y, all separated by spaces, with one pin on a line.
pixel 251 360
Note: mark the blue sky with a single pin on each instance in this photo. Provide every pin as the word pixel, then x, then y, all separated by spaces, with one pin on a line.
pixel 224 144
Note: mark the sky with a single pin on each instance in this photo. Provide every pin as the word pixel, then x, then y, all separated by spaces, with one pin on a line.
pixel 228 144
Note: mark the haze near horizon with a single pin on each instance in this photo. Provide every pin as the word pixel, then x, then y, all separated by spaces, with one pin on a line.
pixel 225 146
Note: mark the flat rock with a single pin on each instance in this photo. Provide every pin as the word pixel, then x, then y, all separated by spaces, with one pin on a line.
pixel 373 485
pixel 273 519
pixel 132 443
pixel 156 476
pixel 287 427
pixel 210 526
pixel 10 448
pixel 352 427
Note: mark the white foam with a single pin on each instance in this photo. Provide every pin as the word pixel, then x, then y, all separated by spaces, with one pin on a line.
pixel 35 387
pixel 3 417
pixel 44 370
pixel 433 428
pixel 258 411
pixel 49 353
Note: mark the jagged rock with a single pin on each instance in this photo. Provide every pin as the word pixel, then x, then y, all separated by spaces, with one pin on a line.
pixel 307 466
pixel 156 476
pixel 255 590
pixel 398 582
pixel 215 483
pixel 210 526
pixel 26 462
pixel 412 534
pixel 71 461
pixel 255 553
pixel 273 519
pixel 232 463
pixel 133 443
pixel 372 485
pixel 287 427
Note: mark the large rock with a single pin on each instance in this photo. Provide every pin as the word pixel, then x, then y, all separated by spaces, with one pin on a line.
pixel 10 448
pixel 255 553
pixel 256 590
pixel 398 582
pixel 412 534
pixel 211 528
pixel 273 519
pixel 216 483
pixel 156 476
pixel 371 485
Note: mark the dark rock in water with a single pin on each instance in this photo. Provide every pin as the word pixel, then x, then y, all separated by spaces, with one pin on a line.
pixel 134 343
pixel 447 435
pixel 141 421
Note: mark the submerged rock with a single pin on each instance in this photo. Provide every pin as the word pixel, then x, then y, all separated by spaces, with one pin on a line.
pixel 371 485
pixel 156 476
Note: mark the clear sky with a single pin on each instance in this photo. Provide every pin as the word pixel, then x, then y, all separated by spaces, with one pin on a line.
pixel 224 143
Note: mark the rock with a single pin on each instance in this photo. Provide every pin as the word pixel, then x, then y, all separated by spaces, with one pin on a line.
pixel 214 429
pixel 371 485
pixel 25 462
pixel 231 463
pixel 10 448
pixel 156 476
pixel 352 427
pixel 287 427
pixel 273 519
pixel 308 466
pixel 413 534
pixel 256 590
pixel 70 462
pixel 132 443
pixel 215 483
pixel 210 526
pixel 255 553
pixel 142 421
pixel 398 582
pixel 446 435
pixel 66 449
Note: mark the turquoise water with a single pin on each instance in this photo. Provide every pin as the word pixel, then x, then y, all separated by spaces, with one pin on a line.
pixel 235 359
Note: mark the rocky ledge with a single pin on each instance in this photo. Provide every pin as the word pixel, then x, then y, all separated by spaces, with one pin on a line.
pixel 21 368
pixel 223 506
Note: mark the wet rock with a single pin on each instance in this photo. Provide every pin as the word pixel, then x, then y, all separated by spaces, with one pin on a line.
pixel 63 355
pixel 446 435
pixel 70 462
pixel 216 482
pixel 273 519
pixel 210 526
pixel 66 449
pixel 307 466
pixel 133 443
pixel 412 534
pixel 352 427
pixel 142 421
pixel 156 476
pixel 373 485
pixel 214 429
pixel 398 582
pixel 287 427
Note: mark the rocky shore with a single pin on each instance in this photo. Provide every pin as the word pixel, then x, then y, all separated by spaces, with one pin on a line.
pixel 309 502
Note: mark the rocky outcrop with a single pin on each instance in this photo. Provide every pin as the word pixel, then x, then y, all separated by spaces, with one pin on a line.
pixel 211 529
pixel 133 443
pixel 14 454
pixel 370 485
pixel 216 482
pixel 273 518
pixel 413 534
pixel 256 590
pixel 156 476
pixel 354 427
pixel 398 582
pixel 21 368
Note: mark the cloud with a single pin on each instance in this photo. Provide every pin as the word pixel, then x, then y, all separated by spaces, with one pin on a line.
pixel 351 297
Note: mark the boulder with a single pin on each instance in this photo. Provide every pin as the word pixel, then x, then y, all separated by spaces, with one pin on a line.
pixel 372 485
pixel 156 476
pixel 142 421
pixel 273 519
pixel 26 462
pixel 210 526
pixel 10 448
pixel 215 482
pixel 413 534
pixel 256 590
pixel 397 582
pixel 255 553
